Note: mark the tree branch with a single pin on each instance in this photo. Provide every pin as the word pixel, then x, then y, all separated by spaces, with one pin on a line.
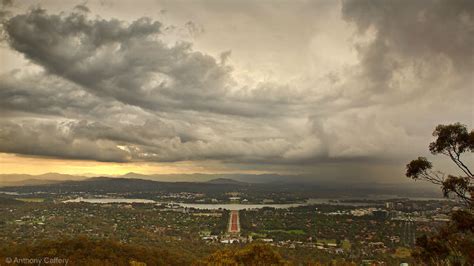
pixel 467 172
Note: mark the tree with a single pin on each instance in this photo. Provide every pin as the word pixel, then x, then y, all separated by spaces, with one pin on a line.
pixel 254 254
pixel 452 141
pixel 453 244
pixel 82 250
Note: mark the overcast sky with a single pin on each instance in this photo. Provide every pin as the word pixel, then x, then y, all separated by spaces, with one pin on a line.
pixel 347 89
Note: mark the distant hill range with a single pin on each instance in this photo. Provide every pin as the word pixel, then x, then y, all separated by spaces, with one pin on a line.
pixel 31 180
pixel 225 181
pixel 123 185
pixel 294 185
pixel 49 178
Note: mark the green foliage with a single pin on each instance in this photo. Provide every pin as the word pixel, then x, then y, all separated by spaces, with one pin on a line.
pixel 452 245
pixel 255 254
pixel 346 245
pixel 9 201
pixel 452 141
pixel 402 252
pixel 290 232
pixel 452 138
pixel 30 199
pixel 456 185
pixel 85 251
pixel 418 167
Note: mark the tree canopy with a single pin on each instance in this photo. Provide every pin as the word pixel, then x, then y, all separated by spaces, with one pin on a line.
pixel 454 242
pixel 256 254
pixel 453 141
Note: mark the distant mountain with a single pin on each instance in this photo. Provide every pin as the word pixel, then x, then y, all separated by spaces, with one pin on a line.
pixel 172 177
pixel 135 175
pixel 122 185
pixel 24 179
pixel 213 182
pixel 31 182
pixel 225 181
pixel 144 188
pixel 16 179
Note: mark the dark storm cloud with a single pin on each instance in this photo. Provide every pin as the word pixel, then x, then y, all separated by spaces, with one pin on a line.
pixel 7 3
pixel 54 140
pixel 40 94
pixel 112 90
pixel 225 56
pixel 128 62
pixel 151 141
pixel 415 59
pixel 412 32
pixel 81 139
pixel 120 60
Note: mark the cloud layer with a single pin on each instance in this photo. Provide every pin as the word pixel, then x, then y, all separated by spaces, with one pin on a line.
pixel 117 90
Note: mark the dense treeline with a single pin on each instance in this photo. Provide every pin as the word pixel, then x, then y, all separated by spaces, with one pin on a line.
pixel 255 254
pixel 85 251
pixel 90 252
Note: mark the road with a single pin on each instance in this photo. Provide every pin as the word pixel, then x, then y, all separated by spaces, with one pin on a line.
pixel 234 223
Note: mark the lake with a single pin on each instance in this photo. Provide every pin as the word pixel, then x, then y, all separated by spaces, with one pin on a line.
pixel 110 200
pixel 238 206
pixel 186 205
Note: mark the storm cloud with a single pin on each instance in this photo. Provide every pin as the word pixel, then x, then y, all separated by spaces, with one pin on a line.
pixel 132 90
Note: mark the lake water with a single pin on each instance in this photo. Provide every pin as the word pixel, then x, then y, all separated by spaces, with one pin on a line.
pixel 237 206
pixel 110 200
pixel 186 205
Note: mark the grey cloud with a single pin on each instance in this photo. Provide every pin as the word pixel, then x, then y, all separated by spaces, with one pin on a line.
pixel 41 94
pixel 194 29
pixel 123 134
pixel 415 59
pixel 151 141
pixel 7 3
pixel 129 63
pixel 225 56
pixel 117 91
pixel 119 60
pixel 54 140
pixel 82 8
pixel 408 32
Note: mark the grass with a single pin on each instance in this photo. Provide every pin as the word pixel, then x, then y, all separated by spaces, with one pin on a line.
pixel 402 253
pixel 257 235
pixel 326 241
pixel 30 199
pixel 292 232
pixel 346 245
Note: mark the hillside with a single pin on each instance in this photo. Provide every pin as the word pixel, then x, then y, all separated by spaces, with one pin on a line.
pixel 101 185
pixel 225 181
pixel 123 185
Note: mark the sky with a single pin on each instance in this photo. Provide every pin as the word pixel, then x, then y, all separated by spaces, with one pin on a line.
pixel 348 89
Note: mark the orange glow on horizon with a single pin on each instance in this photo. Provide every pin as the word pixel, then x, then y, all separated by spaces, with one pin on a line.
pixel 16 164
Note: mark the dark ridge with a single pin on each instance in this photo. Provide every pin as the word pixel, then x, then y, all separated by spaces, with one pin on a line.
pixel 225 181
